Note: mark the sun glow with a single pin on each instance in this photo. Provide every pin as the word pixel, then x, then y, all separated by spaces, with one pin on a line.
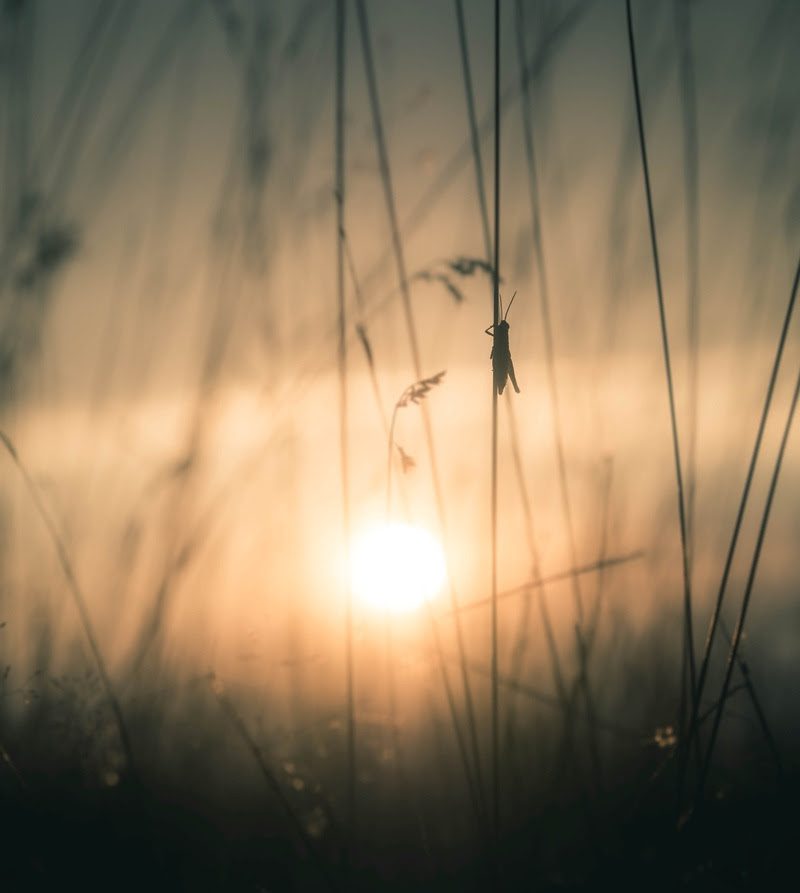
pixel 396 567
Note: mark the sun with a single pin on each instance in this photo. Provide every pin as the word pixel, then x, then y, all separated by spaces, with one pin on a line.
pixel 396 567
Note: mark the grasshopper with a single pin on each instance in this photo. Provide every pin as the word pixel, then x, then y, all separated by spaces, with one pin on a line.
pixel 502 365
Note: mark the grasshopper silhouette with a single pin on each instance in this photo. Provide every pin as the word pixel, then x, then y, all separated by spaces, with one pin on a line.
pixel 502 366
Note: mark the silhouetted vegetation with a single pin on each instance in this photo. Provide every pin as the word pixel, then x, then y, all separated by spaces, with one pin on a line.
pixel 236 238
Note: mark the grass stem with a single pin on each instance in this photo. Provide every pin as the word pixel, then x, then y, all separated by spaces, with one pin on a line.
pixel 339 151
pixel 496 322
pixel 687 586
pixel 411 331
pixel 715 621
pixel 748 592
pixel 79 601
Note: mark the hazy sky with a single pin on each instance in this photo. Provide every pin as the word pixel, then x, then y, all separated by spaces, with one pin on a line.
pixel 188 148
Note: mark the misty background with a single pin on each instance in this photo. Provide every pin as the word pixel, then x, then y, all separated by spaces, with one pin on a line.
pixel 168 348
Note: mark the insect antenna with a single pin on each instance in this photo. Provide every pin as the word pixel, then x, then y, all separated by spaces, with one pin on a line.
pixel 509 304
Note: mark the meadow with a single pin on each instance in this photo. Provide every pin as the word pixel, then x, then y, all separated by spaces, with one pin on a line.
pixel 291 598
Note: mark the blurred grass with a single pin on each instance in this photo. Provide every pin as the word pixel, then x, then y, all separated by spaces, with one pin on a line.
pixel 167 344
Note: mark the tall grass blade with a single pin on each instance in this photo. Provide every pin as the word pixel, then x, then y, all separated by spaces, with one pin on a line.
pixel 555 403
pixel 748 592
pixel 715 621
pixel 688 634
pixel 496 322
pixel 411 331
pixel 344 453
pixel 78 599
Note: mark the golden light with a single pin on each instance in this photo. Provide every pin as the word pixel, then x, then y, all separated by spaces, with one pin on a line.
pixel 396 567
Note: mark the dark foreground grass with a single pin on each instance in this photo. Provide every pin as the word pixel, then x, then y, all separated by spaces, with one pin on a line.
pixel 57 833
pixel 199 816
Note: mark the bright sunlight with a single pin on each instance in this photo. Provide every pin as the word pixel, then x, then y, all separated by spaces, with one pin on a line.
pixel 396 567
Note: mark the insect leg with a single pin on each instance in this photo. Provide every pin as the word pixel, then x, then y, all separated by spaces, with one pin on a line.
pixel 511 374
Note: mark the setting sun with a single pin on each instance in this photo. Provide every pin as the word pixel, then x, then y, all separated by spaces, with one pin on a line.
pixel 396 567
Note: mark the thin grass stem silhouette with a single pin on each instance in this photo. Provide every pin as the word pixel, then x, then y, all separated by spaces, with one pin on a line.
pixel 449 172
pixel 473 785
pixel 550 700
pixel 496 323
pixel 542 581
pixel 534 67
pixel 749 687
pixel 361 331
pixel 544 297
pixel 715 621
pixel 79 601
pixel 408 313
pixel 608 477
pixel 521 643
pixel 475 141
pixel 555 403
pixel 683 26
pixel 344 446
pixel 688 633
pixel 586 642
pixel 270 778
pixel 748 592
pixel 588 639
pixel 369 355
pixel 683 23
